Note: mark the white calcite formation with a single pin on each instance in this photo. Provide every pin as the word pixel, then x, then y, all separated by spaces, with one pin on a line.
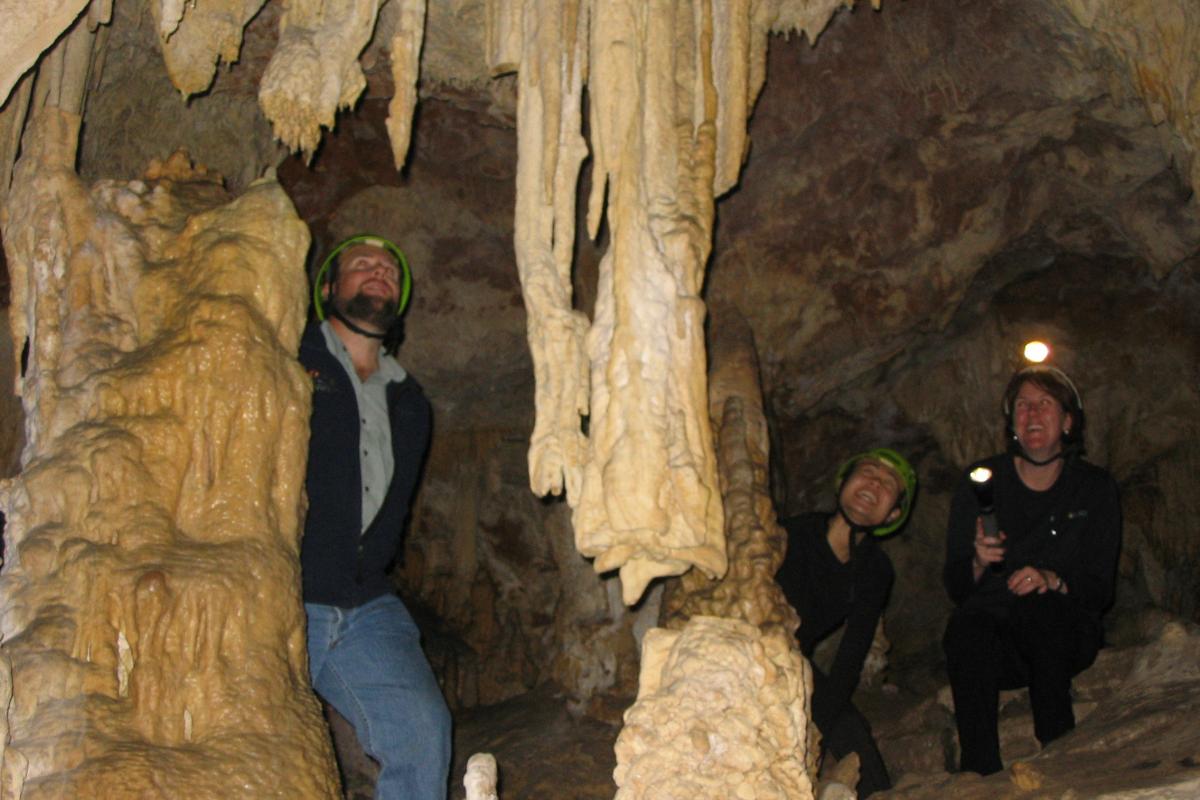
pixel 670 87
pixel 314 71
pixel 480 777
pixel 721 714
pixel 150 597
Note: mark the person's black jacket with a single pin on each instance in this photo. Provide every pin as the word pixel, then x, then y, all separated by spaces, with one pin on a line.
pixel 1073 528
pixel 826 593
pixel 342 565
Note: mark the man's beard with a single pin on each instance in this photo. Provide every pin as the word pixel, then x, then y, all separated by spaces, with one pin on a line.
pixel 378 312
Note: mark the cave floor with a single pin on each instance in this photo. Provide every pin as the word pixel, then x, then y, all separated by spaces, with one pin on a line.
pixel 541 749
pixel 1137 736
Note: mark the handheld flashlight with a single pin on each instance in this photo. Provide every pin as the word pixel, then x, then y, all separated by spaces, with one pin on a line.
pixel 981 482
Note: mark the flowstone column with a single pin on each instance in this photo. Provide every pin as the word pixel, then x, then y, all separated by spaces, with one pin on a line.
pixel 150 596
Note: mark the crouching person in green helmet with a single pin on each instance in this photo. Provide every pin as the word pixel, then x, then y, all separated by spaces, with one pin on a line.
pixel 836 574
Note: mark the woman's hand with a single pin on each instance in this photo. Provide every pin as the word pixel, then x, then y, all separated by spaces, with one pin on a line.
pixel 988 550
pixel 1027 580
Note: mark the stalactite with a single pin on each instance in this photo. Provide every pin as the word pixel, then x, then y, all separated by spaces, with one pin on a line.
pixel 406 64
pixel 196 37
pixel 150 594
pixel 314 71
pixel 550 150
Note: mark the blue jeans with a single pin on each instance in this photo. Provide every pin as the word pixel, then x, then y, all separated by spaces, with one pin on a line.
pixel 367 663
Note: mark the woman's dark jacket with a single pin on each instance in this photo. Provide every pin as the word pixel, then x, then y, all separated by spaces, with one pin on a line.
pixel 827 593
pixel 1073 529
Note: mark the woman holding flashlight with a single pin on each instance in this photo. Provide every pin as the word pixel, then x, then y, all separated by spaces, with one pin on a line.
pixel 1031 556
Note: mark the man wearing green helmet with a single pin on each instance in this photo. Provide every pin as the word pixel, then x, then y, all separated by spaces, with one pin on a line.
pixel 369 429
pixel 836 574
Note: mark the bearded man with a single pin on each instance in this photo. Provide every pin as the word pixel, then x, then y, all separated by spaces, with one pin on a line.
pixel 369 433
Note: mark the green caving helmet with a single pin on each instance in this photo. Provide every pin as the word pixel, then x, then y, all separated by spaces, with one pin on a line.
pixel 375 241
pixel 899 464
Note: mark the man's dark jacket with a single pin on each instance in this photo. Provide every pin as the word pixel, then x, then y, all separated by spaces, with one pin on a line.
pixel 341 564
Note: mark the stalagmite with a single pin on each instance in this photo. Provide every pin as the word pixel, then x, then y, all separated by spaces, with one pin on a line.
pixel 480 777
pixel 150 594
pixel 722 712
pixel 756 542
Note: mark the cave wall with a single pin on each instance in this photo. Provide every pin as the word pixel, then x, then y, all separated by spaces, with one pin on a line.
pixel 901 232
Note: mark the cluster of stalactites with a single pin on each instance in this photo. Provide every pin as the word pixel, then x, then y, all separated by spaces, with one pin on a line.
pixel 314 71
pixel 670 86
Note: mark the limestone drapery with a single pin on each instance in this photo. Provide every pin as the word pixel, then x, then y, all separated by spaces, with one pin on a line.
pixel 151 607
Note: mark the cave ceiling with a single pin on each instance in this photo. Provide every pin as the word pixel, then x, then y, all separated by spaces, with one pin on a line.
pixel 903 168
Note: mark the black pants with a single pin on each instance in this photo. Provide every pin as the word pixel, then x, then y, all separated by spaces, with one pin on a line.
pixel 1042 642
pixel 848 732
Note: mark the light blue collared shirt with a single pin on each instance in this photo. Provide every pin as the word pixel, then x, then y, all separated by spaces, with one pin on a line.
pixel 375 435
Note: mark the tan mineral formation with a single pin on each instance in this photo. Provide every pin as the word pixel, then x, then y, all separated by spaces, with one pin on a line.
pixel 722 712
pixel 193 44
pixel 756 542
pixel 151 611
pixel 1156 41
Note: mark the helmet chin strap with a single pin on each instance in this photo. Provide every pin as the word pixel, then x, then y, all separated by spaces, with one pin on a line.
pixel 854 526
pixel 334 312
pixel 1017 449
pixel 1021 452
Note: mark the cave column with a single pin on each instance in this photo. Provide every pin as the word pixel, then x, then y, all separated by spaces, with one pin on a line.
pixel 150 596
